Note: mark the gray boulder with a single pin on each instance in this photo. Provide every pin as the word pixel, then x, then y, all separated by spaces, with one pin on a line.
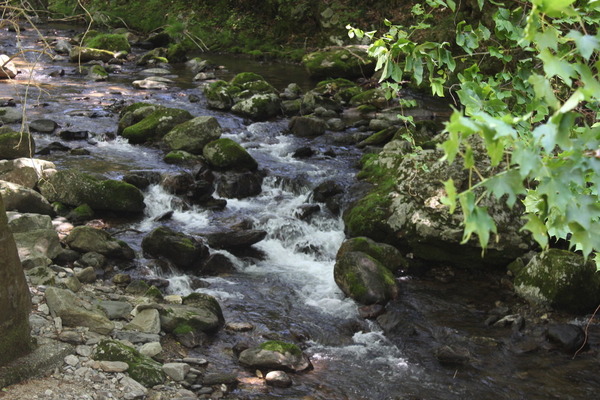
pixel 43 125
pixel 307 126
pixel 8 70
pixel 147 321
pixel 183 251
pixel 386 254
pixel 76 312
pixel 560 279
pixel 193 135
pixel 239 185
pixel 87 239
pixel 199 313
pixel 24 200
pixel 37 241
pixel 275 355
pixel 26 171
pixel 115 309
pixel 407 212
pixel 75 188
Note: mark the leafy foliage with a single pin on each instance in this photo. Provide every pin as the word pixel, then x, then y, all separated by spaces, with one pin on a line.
pixel 537 113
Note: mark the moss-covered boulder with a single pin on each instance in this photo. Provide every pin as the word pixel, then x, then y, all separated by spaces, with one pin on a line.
pixel 177 53
pixel 141 368
pixel 305 126
pixel 87 239
pixel 339 89
pixel 219 95
pixel 75 188
pixel 15 144
pixel 404 209
pixel 153 125
pixel 84 54
pixel 198 313
pixel 364 279
pixel 180 157
pixel 372 97
pixel 15 300
pixel 275 355
pixel 193 135
pixel 386 254
pixel 561 279
pixel 226 154
pixel 157 55
pixel 379 138
pixel 181 250
pixel 109 41
pixel 258 107
pixel 97 73
pixel 340 62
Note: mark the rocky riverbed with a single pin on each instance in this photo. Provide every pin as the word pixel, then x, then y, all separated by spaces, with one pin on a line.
pixel 183 237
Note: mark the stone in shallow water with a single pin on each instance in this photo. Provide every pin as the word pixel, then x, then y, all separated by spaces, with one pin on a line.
pixel 176 371
pixel 278 379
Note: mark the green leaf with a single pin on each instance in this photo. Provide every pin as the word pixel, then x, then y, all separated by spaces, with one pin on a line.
pixel 586 44
pixel 450 198
pixel 480 223
pixel 554 8
pixel 572 102
pixel 555 66
pixel 527 159
pixel 509 183
pixel 469 159
pixel 546 135
pixel 543 90
pixel 537 228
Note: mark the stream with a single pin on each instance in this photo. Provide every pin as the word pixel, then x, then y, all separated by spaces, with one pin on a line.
pixel 288 292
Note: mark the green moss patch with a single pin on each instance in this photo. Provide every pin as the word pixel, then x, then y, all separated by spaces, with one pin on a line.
pixel 281 347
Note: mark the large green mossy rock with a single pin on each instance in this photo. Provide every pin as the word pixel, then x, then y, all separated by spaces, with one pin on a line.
pixel 561 279
pixel 141 368
pixel 84 54
pixel 219 95
pixel 388 255
pixel 86 239
pixel 181 250
pixel 371 97
pixel 75 188
pixel 191 136
pixel 364 279
pixel 15 301
pixel 151 124
pixel 275 354
pixel 405 209
pixel 198 313
pixel 226 154
pixel 258 107
pixel 109 41
pixel 340 62
pixel 15 144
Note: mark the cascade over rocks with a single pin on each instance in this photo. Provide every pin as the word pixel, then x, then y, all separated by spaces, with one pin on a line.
pixel 15 301
pixel 239 185
pixel 75 188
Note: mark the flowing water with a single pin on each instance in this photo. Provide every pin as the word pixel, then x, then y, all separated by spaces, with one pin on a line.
pixel 288 291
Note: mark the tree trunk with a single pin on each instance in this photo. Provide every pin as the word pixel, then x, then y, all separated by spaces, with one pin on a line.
pixel 15 300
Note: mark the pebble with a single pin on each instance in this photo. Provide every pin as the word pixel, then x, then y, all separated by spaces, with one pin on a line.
pixel 278 379
pixel 113 366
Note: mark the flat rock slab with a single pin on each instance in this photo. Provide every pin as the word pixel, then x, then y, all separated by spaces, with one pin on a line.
pixel 50 354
